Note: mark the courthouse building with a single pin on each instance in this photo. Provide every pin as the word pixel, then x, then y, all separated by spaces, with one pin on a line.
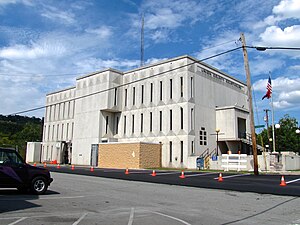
pixel 177 103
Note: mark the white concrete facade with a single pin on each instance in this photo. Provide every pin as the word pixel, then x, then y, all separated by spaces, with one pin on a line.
pixel 179 102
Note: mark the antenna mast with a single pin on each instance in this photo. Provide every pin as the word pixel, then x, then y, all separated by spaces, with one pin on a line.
pixel 142 41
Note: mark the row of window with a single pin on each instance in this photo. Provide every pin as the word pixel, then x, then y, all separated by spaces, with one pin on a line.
pixel 161 91
pixel 62 132
pixel 161 120
pixel 64 110
pixel 181 151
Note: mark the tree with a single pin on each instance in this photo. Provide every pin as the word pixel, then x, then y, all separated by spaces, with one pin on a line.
pixel 285 136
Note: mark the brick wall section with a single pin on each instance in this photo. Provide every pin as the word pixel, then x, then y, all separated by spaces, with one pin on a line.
pixel 129 155
pixel 150 155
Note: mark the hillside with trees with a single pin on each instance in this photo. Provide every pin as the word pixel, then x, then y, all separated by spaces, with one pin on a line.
pixel 16 131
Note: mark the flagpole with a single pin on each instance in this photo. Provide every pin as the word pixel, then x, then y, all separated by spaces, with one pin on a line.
pixel 273 131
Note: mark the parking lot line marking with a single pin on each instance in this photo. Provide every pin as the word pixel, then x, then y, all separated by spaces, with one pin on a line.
pixel 131 216
pixel 81 218
pixel 238 175
pixel 160 174
pixel 292 181
pixel 55 198
pixel 172 217
pixel 17 221
pixel 200 174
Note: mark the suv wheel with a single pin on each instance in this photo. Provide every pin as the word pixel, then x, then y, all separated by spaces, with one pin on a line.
pixel 39 185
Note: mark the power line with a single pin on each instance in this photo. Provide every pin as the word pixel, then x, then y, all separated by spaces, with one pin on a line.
pixel 132 82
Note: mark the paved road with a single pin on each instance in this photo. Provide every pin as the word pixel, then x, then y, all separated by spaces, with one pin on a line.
pixel 263 184
pixel 78 200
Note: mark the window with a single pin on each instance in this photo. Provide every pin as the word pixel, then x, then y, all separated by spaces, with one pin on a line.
pixel 132 123
pixel 63 110
pixel 170 151
pixel 106 124
pixel 67 133
pixel 44 133
pixel 68 113
pixel 171 88
pixel 53 133
pixel 203 136
pixel 125 97
pixel 160 120
pixel 115 100
pixel 117 125
pixel 192 119
pixel 72 130
pixel 181 151
pixel 124 124
pixel 57 129
pixel 142 122
pixel 133 96
pixel 150 121
pixel 58 113
pixel 10 157
pixel 171 124
pixel 181 86
pixel 142 94
pixel 192 87
pixel 181 118
pixel 192 148
pixel 48 133
pixel 151 92
pixel 160 90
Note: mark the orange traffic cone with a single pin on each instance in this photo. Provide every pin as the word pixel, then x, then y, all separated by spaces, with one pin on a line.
pixel 34 164
pixel 92 169
pixel 72 167
pixel 45 164
pixel 282 183
pixel 220 179
pixel 126 171
pixel 58 166
pixel 153 173
pixel 182 176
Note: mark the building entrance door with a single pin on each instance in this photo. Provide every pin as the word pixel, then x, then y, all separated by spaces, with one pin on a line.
pixel 94 155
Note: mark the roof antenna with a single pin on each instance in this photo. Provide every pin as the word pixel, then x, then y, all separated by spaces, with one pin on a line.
pixel 142 41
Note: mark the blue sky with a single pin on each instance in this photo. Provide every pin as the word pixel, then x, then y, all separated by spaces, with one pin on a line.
pixel 45 45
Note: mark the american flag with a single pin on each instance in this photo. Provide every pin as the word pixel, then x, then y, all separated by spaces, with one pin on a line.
pixel 269 90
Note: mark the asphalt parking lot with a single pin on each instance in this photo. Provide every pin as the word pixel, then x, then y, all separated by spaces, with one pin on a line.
pixel 74 199
pixel 243 182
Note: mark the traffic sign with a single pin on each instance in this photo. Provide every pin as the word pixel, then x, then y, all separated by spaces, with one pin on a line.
pixel 259 126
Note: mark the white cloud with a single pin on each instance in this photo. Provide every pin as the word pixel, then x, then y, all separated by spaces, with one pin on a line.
pixel 287 37
pixel 286 9
pixel 102 32
pixel 7 2
pixel 295 67
pixel 286 94
pixel 55 14
pixel 32 52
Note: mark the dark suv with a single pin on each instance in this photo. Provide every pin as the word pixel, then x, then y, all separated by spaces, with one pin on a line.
pixel 15 173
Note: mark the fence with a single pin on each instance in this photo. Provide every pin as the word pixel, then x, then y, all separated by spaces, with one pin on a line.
pixel 234 162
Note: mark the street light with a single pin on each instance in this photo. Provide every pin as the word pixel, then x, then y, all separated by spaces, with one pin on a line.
pixel 217 131
pixel 298 133
pixel 277 126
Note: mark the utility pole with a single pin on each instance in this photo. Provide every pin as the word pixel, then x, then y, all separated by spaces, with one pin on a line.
pixel 249 92
pixel 267 122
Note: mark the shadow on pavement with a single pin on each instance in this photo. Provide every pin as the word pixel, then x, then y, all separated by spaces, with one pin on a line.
pixel 13 200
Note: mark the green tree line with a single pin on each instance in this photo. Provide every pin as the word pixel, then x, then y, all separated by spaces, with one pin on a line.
pixel 16 131
pixel 286 138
